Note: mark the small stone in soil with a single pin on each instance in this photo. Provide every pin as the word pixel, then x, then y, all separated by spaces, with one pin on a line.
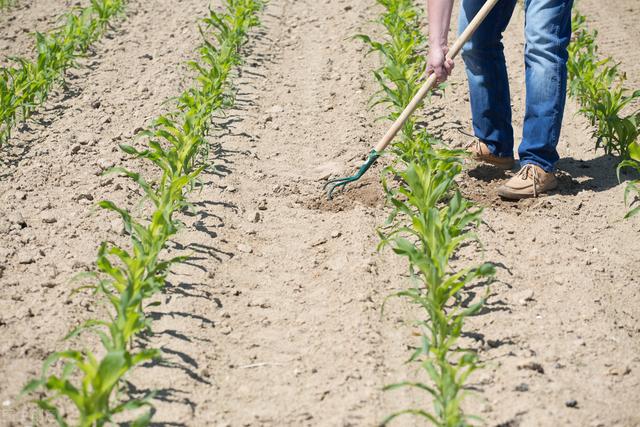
pixel 522 387
pixel 254 217
pixel 25 258
pixel 524 297
pixel 16 218
pixel 245 248
pixel 105 164
pixel 533 366
pixel 571 403
pixel 86 196
pixel 49 218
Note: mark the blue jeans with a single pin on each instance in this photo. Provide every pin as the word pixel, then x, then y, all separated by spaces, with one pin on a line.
pixel 547 34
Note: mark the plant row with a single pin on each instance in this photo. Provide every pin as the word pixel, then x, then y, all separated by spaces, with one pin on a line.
pixel 429 222
pixel 6 3
pixel 126 278
pixel 28 83
pixel 599 87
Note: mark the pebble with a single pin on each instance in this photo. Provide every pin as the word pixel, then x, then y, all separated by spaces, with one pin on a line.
pixel 522 387
pixel 17 219
pixel 532 366
pixel 84 138
pixel 254 217
pixel 524 297
pixel 262 205
pixel 336 234
pixel 571 403
pixel 105 164
pixel 25 258
pixel 276 109
pixel 619 371
pixel 86 196
pixel 245 248
pixel 49 218
pixel 5 254
pixel 261 304
pixel 75 149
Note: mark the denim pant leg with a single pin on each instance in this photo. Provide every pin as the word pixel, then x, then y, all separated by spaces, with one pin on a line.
pixel 547 33
pixel 486 68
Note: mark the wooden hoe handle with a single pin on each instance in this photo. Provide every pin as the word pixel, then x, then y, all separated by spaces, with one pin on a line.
pixel 431 81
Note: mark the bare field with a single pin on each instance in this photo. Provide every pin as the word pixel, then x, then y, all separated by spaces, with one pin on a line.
pixel 277 321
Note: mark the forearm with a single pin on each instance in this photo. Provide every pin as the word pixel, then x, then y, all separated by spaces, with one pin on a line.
pixel 439 22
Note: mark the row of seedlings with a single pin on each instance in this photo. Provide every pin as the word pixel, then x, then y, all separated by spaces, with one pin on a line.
pixel 429 222
pixel 26 85
pixel 599 87
pixel 127 278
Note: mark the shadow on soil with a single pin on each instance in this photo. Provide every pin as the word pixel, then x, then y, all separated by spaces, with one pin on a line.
pixel 479 183
pixel 168 395
pixel 221 166
pixel 596 175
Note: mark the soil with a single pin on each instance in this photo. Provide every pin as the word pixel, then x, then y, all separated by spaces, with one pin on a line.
pixel 278 320
pixel 20 21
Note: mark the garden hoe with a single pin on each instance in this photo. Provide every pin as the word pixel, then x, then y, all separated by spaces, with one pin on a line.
pixel 332 185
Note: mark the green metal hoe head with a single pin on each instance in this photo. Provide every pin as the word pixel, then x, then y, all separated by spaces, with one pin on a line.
pixel 341 183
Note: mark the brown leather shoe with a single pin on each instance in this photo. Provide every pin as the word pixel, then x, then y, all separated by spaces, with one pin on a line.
pixel 530 181
pixel 480 152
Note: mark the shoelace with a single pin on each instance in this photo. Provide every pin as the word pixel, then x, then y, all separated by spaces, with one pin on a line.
pixel 474 148
pixel 529 171
pixel 475 144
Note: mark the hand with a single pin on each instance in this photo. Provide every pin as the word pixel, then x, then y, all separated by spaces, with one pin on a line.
pixel 438 63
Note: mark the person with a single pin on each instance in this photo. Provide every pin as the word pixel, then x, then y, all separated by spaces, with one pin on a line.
pixel 547 33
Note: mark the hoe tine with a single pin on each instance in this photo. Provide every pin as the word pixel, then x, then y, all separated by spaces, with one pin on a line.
pixel 341 183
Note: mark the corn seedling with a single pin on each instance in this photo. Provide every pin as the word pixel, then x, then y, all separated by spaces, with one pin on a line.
pixel 27 84
pixel 598 86
pixel 6 3
pixel 429 221
pixel 440 221
pixel 128 278
pixel 403 61
pixel 633 187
